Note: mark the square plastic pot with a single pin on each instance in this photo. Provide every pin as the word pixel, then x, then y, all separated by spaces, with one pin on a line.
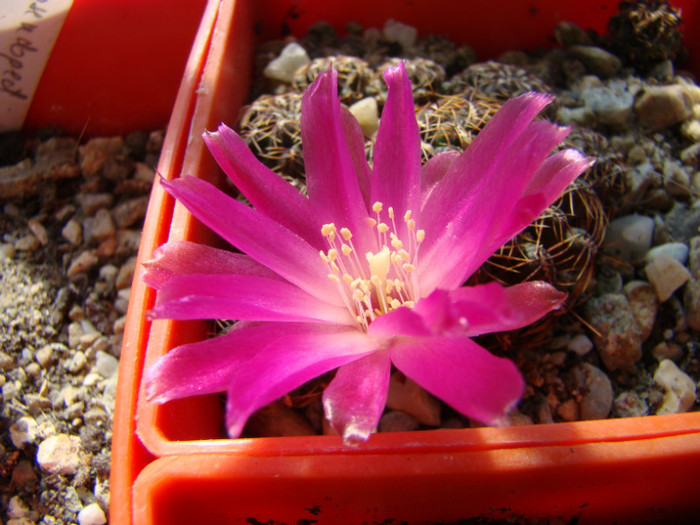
pixel 172 463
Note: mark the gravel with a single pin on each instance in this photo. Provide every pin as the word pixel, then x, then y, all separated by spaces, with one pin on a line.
pixel 70 221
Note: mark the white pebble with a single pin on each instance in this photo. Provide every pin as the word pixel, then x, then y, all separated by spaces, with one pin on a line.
pixel 666 274
pixel 282 68
pixel 580 344
pixel 367 114
pixel 105 364
pixel 60 454
pixel 92 515
pixel 680 390
pixel 629 237
pixel 402 34
pixel 24 431
pixel 676 250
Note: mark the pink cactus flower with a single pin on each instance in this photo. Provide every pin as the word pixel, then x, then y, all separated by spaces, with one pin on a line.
pixel 367 271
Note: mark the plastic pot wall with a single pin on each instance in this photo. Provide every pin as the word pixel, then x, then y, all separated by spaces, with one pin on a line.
pixel 172 463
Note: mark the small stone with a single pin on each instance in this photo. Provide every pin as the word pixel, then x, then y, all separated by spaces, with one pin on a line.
pixel 677 250
pixel 618 339
pixel 690 129
pixel 629 404
pixel 639 180
pixel 23 476
pixel 60 454
pixel 144 173
pixel 659 107
pixel 405 395
pixel 130 212
pixel 16 508
pixel 77 362
pixel 103 226
pixel 629 237
pixel 580 344
pixel 127 242
pixel 680 389
pixel 98 153
pixel 7 250
pixel 568 410
pixel 126 274
pixel 73 232
pixel 367 114
pixel 597 60
pixel 691 302
pixel 24 432
pixel 39 231
pixel 32 370
pixel 92 515
pixel 644 304
pixel 282 68
pixel 667 275
pixel 676 179
pixel 121 303
pixel 107 248
pixel 611 104
pixel 402 34
pixel 82 263
pixel 27 243
pixel 119 325
pixel 7 362
pixel 108 274
pixel 569 34
pixel 105 364
pixel 91 202
pixel 667 350
pixel 691 154
pixel 395 421
pixel 45 356
pixel 597 403
pixel 694 257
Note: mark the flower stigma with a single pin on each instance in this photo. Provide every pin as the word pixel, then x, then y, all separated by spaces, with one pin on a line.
pixel 381 281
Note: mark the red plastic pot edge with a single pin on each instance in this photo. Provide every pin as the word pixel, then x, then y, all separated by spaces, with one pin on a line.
pixel 131 453
pixel 166 334
pixel 211 102
pixel 592 483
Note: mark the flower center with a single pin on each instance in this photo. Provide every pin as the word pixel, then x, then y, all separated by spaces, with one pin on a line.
pixel 385 279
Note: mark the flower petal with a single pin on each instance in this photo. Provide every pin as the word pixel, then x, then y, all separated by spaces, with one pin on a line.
pixel 494 308
pixel 178 258
pixel 197 368
pixel 396 167
pixel 269 193
pixel 461 373
pixel 355 398
pixel 258 236
pixel 480 226
pixel 473 169
pixel 242 297
pixel 286 363
pixel 434 170
pixel 331 178
pixel 400 322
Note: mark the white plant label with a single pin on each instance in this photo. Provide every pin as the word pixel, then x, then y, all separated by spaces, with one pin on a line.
pixel 28 31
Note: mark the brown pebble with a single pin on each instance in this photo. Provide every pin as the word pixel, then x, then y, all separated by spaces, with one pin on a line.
pixel 395 421
pixel 126 274
pixel 39 231
pixel 82 263
pixel 130 212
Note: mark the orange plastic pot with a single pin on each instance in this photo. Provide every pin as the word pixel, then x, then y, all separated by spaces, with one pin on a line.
pixel 172 463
